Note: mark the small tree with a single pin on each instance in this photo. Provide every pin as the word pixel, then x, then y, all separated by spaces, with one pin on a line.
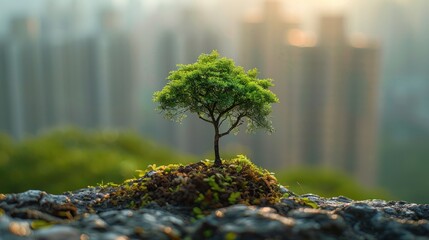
pixel 218 92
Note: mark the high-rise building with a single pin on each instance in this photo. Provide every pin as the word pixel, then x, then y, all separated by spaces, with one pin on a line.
pixel 303 97
pixel 54 80
pixel 66 67
pixel 23 109
pixel 51 77
pixel 196 38
pixel 5 93
pixel 160 54
pixel 262 46
pixel 328 92
pixel 114 73
pixel 180 45
pixel 349 128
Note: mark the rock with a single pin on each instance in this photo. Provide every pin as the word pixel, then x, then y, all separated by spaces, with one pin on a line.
pixel 57 232
pixel 112 236
pixel 319 224
pixel 242 222
pixel 35 204
pixel 93 221
pixel 342 199
pixel 19 228
pixel 73 215
pixel 261 223
pixel 5 232
pixel 4 222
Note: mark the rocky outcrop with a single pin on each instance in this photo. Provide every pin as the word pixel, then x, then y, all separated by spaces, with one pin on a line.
pixel 42 216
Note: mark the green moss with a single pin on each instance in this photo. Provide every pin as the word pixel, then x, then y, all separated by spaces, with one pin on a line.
pixel 230 236
pixel 200 185
pixel 305 202
pixel 198 213
pixel 208 233
pixel 39 224
pixel 233 197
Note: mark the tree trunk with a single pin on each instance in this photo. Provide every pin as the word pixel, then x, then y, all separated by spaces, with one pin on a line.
pixel 217 162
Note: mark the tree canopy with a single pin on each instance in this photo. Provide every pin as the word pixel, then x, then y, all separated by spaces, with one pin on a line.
pixel 218 92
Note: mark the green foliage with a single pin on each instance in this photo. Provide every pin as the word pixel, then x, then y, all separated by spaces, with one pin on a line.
pixel 7 148
pixel 305 201
pixel 326 183
pixel 233 197
pixel 39 224
pixel 214 85
pixel 217 91
pixel 70 159
pixel 231 236
pixel 198 213
pixel 199 186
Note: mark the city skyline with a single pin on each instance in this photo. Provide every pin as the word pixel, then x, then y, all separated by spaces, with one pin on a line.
pixel 89 69
pixel 329 89
pixel 91 80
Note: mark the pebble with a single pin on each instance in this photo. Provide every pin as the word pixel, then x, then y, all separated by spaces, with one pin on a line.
pixel 56 233
pixel 21 229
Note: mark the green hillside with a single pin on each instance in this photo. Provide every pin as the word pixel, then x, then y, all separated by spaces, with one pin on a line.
pixel 70 159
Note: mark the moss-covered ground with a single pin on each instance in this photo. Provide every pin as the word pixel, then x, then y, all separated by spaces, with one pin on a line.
pixel 201 186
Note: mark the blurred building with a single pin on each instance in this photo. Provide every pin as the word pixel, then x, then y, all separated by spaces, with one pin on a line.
pixel 64 69
pixel 196 37
pixel 22 88
pixel 54 74
pixel 172 45
pixel 115 71
pixel 262 46
pixel 328 92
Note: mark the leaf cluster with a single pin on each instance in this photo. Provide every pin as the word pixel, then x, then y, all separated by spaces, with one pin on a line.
pixel 217 91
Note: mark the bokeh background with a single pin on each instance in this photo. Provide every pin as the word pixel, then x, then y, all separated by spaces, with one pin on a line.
pixel 77 78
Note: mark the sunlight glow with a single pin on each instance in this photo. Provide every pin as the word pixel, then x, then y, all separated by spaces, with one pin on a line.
pixel 253 16
pixel 299 38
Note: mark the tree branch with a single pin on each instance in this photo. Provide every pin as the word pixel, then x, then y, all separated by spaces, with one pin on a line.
pixel 204 104
pixel 237 123
pixel 176 113
pixel 223 120
pixel 205 119
pixel 214 106
pixel 234 104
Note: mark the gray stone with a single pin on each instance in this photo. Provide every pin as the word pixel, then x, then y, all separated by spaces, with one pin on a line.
pixel 112 236
pixel 121 230
pixel 312 222
pixel 31 196
pixel 336 218
pixel 4 222
pixel 54 199
pixel 94 221
pixel 311 196
pixel 342 199
pixel 57 232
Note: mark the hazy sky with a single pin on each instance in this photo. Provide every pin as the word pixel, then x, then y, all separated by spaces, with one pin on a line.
pixel 305 9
